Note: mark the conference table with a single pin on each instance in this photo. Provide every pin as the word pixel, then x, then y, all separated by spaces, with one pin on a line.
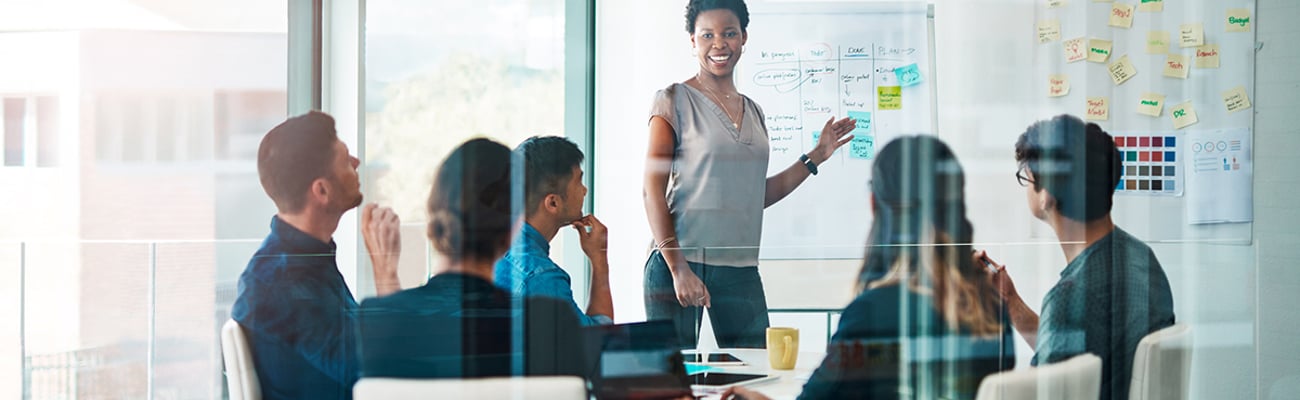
pixel 788 382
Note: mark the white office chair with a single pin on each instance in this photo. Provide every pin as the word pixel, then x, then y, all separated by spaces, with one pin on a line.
pixel 1078 378
pixel 503 388
pixel 241 376
pixel 1162 365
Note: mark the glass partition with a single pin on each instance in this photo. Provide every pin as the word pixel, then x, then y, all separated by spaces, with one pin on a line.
pixel 131 129
pixel 11 350
pixel 984 73
pixel 87 330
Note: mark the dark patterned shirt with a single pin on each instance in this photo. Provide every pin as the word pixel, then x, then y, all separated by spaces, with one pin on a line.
pixel 1111 295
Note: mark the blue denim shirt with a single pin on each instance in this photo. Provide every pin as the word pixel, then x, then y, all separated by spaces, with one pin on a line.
pixel 527 270
pixel 299 317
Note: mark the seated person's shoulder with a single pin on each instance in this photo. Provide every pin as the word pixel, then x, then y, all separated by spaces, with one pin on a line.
pixel 871 297
pixel 390 301
pixel 874 312
pixel 269 285
pixel 547 307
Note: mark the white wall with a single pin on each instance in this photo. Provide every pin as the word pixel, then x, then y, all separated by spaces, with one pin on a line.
pixel 1277 137
pixel 641 46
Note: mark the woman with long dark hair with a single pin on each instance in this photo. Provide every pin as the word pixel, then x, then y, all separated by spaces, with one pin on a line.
pixel 926 321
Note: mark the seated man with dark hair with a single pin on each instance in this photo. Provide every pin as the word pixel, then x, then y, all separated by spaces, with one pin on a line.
pixel 459 324
pixel 298 314
pixel 553 197
pixel 1113 291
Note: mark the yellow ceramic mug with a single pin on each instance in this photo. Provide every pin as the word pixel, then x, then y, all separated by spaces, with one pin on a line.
pixel 782 347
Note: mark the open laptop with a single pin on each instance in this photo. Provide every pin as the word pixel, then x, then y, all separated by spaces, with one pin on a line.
pixel 644 361
pixel 636 361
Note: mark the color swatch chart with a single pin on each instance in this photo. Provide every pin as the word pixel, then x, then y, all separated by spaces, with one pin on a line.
pixel 1150 165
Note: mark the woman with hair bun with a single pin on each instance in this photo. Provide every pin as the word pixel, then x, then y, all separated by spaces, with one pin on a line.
pixel 459 324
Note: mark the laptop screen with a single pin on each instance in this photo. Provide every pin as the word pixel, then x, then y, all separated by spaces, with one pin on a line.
pixel 625 363
pixel 639 360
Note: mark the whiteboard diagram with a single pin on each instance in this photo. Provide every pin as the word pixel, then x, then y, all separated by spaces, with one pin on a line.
pixel 805 65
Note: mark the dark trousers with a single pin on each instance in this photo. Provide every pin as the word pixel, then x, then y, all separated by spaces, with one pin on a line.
pixel 739 307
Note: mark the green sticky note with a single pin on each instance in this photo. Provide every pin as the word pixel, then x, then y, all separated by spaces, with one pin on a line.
pixel 891 97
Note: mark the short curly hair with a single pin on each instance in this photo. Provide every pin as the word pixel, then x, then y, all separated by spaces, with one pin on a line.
pixel 695 7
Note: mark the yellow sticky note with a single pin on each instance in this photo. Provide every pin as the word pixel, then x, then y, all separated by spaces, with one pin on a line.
pixel 1098 50
pixel 1236 99
pixel 1158 42
pixel 1076 50
pixel 891 97
pixel 1184 115
pixel 1057 3
pixel 1191 35
pixel 1176 66
pixel 1049 31
pixel 1121 15
pixel 1207 56
pixel 1151 104
pixel 1058 85
pixel 1238 20
pixel 1151 6
pixel 1121 71
pixel 1098 108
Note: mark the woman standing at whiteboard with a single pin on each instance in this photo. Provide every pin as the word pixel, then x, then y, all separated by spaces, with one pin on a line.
pixel 706 187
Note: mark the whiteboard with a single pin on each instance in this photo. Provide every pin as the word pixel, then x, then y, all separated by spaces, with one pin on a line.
pixel 1155 217
pixel 807 62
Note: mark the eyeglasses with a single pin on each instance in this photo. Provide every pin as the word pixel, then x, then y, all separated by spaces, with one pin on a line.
pixel 1024 181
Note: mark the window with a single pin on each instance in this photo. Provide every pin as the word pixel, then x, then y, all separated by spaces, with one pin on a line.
pixel 15 125
pixel 131 129
pixel 47 131
pixel 31 131
pixel 439 73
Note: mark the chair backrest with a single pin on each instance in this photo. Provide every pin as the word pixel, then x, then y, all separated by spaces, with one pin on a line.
pixel 1078 378
pixel 241 376
pixel 502 388
pixel 1162 365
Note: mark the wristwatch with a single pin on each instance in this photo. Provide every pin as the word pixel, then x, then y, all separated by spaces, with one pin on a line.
pixel 807 162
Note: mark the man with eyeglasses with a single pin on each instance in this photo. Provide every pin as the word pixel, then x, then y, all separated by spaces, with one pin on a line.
pixel 1113 291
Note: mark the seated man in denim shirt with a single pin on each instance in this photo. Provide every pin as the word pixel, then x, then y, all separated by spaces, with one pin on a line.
pixel 554 194
pixel 1112 291
pixel 293 305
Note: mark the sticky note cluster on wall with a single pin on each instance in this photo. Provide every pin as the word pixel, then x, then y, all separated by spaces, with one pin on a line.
pixel 1182 51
